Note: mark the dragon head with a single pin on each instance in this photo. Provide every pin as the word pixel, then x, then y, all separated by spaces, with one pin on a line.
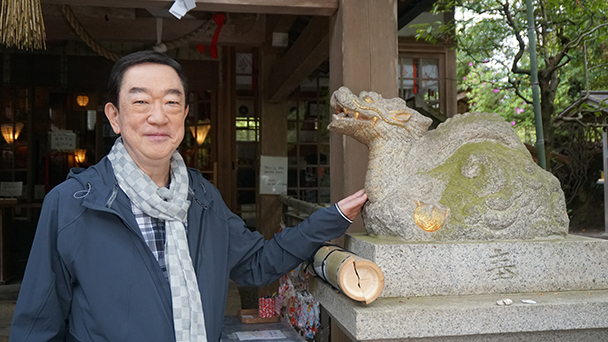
pixel 369 116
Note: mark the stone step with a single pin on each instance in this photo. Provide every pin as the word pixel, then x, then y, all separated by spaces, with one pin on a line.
pixel 555 316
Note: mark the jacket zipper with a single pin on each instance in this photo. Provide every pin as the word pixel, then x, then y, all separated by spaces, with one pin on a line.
pixel 200 238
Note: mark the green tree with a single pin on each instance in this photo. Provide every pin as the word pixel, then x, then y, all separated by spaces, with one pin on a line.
pixel 491 38
pixel 489 92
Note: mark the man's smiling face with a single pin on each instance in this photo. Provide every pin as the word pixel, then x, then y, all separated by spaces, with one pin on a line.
pixel 151 113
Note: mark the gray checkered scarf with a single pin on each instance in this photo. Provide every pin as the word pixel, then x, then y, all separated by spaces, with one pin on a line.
pixel 170 205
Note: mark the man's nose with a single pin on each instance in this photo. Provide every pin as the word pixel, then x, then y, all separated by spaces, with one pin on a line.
pixel 157 114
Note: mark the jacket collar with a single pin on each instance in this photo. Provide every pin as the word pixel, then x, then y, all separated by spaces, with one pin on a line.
pixel 102 192
pixel 99 183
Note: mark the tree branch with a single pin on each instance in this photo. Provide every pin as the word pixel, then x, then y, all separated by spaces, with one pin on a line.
pixel 522 45
pixel 586 32
pixel 515 88
pixel 572 44
pixel 568 59
pixel 598 66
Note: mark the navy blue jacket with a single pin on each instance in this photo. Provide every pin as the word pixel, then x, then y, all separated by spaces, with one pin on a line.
pixel 91 276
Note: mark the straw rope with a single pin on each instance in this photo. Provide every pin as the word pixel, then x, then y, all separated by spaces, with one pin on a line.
pixel 186 39
pixel 85 36
pixel 22 24
pixel 113 56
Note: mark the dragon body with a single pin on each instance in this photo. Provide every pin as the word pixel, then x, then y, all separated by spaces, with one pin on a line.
pixel 471 178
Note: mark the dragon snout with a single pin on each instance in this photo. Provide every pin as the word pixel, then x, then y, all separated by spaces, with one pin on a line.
pixel 346 113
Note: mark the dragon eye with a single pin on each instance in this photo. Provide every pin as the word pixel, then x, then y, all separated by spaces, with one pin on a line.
pixel 368 99
pixel 401 116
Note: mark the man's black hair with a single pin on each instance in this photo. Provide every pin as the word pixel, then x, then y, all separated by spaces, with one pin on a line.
pixel 141 57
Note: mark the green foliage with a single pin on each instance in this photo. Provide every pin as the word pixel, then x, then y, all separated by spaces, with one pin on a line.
pixel 491 38
pixel 489 92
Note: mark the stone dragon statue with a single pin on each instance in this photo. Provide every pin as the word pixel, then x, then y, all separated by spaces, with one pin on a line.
pixel 469 179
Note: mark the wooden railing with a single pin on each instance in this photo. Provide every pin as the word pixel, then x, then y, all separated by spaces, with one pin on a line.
pixel 295 210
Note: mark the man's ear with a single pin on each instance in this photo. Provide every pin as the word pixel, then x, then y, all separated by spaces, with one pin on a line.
pixel 186 112
pixel 112 115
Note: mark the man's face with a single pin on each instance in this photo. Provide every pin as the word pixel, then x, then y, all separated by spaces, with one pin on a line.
pixel 151 113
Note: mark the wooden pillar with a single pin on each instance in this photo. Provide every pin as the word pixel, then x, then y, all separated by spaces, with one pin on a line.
pixel 273 141
pixel 226 132
pixel 273 127
pixel 362 56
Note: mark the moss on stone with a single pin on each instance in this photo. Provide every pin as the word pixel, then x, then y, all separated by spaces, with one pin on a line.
pixel 462 194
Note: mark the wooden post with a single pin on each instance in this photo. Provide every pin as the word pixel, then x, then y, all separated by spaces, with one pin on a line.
pixel 273 135
pixel 226 137
pixel 362 56
pixel 273 142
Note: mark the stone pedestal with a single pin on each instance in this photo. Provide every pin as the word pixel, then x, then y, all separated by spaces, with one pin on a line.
pixel 448 291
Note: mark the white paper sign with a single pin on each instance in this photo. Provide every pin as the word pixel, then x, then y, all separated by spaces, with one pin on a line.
pixel 63 140
pixel 273 175
pixel 262 335
pixel 11 189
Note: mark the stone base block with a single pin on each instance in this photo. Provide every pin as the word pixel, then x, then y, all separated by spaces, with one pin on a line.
pixel 432 269
pixel 580 316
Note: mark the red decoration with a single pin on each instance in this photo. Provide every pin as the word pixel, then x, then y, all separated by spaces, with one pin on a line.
pixel 219 19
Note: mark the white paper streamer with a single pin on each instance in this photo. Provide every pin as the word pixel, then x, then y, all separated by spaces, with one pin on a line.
pixel 181 7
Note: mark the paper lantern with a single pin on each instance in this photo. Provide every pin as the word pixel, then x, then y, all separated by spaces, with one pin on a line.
pixel 80 156
pixel 11 132
pixel 200 131
pixel 82 100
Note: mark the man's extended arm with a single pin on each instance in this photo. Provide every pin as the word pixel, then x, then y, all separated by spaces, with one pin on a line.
pixel 262 262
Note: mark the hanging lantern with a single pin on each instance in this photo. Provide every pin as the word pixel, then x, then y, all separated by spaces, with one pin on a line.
pixel 80 156
pixel 82 100
pixel 200 131
pixel 11 132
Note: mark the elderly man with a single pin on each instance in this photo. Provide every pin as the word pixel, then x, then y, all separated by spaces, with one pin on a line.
pixel 140 248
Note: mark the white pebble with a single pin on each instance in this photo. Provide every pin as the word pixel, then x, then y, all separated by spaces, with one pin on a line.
pixel 504 302
pixel 528 301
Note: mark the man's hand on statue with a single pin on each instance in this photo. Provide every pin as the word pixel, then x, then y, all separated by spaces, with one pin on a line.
pixel 351 205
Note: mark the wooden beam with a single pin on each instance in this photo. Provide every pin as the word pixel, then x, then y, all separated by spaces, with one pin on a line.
pixel 283 23
pixel 279 24
pixel 297 7
pixel 144 29
pixel 306 54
